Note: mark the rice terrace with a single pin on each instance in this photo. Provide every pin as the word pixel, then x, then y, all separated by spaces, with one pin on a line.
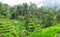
pixel 29 18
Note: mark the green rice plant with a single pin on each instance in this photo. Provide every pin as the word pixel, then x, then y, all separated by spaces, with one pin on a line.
pixel 7 29
pixel 47 32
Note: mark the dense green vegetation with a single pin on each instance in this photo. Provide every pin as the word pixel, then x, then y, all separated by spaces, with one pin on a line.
pixel 47 32
pixel 26 20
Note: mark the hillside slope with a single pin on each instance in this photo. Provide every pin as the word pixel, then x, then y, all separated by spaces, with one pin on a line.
pixel 47 32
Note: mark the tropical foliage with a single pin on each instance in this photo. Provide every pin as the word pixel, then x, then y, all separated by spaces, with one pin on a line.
pixel 24 20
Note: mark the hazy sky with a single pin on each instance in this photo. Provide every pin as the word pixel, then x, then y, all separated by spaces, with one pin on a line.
pixel 14 2
pixel 38 2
